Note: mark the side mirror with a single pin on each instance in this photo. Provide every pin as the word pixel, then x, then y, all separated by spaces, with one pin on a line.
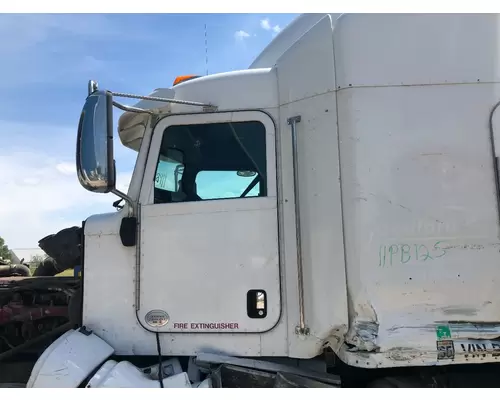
pixel 94 147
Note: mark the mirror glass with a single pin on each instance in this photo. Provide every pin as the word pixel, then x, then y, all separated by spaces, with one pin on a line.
pixel 94 154
pixel 169 171
pixel 246 174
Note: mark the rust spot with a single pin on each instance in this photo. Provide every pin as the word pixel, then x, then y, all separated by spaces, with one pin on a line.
pixel 403 354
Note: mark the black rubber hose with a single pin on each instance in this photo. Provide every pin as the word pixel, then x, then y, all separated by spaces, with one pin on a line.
pixel 12 270
pixel 40 339
pixel 160 364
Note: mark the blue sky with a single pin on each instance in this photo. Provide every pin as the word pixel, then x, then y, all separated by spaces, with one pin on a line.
pixel 45 68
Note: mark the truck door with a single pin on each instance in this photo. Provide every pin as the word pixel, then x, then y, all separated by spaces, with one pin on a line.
pixel 209 225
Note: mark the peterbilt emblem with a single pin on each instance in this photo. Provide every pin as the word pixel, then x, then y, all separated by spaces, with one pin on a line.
pixel 157 318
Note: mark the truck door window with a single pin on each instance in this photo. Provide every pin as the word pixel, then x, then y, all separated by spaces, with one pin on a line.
pixel 211 161
pixel 227 184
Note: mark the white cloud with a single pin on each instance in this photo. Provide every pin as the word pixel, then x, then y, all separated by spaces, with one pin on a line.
pixel 240 35
pixel 265 24
pixel 66 168
pixel 40 191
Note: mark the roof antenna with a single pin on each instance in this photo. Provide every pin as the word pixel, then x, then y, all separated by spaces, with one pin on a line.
pixel 206 49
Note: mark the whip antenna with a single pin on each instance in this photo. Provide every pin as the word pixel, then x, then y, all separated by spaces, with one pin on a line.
pixel 206 50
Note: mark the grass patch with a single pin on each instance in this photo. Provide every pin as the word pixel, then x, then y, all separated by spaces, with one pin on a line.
pixel 68 272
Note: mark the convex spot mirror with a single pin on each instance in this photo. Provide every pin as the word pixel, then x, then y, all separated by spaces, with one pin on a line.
pixel 246 174
pixel 94 146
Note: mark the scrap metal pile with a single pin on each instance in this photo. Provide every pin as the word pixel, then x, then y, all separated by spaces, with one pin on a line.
pixel 88 362
pixel 38 306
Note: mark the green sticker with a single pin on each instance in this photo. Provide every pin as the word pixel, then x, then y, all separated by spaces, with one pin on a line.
pixel 443 332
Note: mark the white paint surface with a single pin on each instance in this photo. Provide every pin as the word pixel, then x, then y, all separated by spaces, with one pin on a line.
pixel 393 151
pixel 312 97
pixel 69 360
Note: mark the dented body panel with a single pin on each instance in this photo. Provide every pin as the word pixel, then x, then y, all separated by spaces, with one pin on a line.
pixel 418 186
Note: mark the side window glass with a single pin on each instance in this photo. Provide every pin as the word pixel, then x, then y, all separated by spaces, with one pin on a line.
pixel 227 184
pixel 212 161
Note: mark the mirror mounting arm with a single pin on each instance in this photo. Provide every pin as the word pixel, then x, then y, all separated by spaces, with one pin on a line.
pixel 93 87
pixel 161 99
pixel 132 109
pixel 128 199
pixel 95 163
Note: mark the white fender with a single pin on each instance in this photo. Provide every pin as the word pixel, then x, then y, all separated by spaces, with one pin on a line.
pixel 68 361
pixel 126 375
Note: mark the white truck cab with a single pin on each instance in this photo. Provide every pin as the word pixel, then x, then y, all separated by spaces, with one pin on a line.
pixel 341 193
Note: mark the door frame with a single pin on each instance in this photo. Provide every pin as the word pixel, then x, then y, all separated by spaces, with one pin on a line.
pixel 146 192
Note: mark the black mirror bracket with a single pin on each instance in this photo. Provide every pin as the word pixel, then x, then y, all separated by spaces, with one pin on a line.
pixel 128 200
